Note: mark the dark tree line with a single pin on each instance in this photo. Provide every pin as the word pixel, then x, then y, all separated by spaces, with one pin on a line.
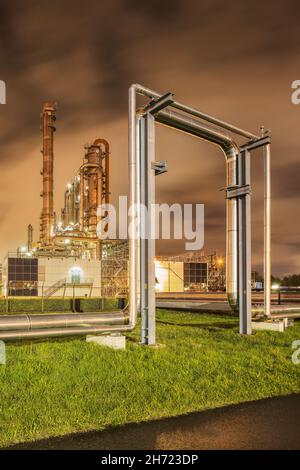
pixel 292 280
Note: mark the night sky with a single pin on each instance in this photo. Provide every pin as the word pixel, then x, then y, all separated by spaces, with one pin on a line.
pixel 232 59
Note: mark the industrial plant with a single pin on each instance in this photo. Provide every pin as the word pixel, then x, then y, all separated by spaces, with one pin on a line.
pixel 47 266
pixel 150 263
pixel 69 259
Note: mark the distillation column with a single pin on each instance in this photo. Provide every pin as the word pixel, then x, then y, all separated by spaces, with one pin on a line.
pixel 48 118
pixel 94 185
pixel 94 180
pixel 29 237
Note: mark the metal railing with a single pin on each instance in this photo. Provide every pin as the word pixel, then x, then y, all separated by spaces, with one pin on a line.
pixel 280 290
pixel 55 287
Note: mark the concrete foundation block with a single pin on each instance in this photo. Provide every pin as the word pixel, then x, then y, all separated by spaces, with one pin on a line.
pixel 112 341
pixel 288 322
pixel 269 325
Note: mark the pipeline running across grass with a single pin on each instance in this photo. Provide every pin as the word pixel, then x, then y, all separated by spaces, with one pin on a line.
pixel 58 387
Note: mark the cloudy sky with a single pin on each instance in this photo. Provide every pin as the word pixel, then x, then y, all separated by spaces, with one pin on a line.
pixel 232 59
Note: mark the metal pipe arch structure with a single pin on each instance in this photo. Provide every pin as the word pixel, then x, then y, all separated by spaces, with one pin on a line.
pixel 238 202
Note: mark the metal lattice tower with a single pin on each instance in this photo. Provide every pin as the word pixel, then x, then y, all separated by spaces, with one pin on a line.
pixel 114 268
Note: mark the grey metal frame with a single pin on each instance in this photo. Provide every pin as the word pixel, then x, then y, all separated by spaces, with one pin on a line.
pixel 238 161
pixel 147 242
pixel 242 193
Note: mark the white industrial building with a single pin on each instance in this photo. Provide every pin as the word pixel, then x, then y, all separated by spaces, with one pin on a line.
pixel 51 276
pixel 27 274
pixel 69 277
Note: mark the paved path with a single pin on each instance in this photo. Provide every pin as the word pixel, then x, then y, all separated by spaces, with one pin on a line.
pixel 272 423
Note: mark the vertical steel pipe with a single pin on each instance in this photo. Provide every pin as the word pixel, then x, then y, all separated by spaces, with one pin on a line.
pixel 138 208
pixel 147 229
pixel 133 189
pixel 232 230
pixel 267 230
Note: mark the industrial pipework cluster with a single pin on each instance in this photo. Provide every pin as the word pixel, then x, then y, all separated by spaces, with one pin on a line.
pixel 76 232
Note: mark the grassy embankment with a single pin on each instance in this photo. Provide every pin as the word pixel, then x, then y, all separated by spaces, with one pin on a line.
pixel 32 305
pixel 53 388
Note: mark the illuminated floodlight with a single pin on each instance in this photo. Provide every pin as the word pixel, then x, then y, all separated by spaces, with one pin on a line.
pixel 275 286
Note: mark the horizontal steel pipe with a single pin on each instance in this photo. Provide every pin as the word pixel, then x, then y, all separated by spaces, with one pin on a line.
pixel 195 112
pixel 193 127
pixel 36 321
pixel 16 335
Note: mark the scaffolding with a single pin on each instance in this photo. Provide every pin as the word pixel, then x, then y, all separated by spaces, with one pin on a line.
pixel 114 268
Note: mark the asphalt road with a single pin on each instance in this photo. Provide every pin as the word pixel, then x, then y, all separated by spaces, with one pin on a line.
pixel 272 423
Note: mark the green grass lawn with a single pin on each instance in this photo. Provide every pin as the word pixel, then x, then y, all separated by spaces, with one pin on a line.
pixel 53 388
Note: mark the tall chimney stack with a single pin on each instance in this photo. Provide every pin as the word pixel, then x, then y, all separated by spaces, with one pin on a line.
pixel 48 118
pixel 29 237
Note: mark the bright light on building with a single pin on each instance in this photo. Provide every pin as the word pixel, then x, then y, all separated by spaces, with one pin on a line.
pixel 275 286
pixel 75 273
pixel 67 241
pixel 220 261
pixel 23 249
pixel 75 269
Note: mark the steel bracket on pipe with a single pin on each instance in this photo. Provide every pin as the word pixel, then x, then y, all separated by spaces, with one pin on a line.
pixel 159 167
pixel 234 192
pixel 255 144
pixel 157 105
